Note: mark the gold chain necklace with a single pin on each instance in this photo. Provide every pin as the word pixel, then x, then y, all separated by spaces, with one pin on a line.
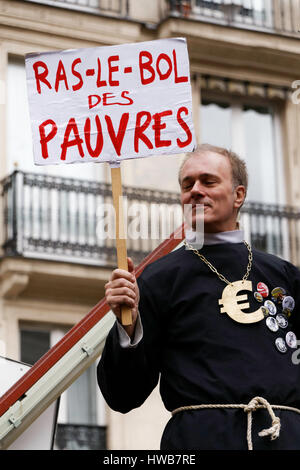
pixel 230 295
pixel 213 269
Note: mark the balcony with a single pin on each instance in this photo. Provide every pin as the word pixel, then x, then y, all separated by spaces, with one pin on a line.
pixel 119 8
pixel 62 219
pixel 49 217
pixel 80 437
pixel 273 16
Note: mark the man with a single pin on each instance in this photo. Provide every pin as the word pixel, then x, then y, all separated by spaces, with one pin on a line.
pixel 211 336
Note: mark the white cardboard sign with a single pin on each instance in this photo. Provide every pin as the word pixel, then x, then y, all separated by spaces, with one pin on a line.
pixel 110 103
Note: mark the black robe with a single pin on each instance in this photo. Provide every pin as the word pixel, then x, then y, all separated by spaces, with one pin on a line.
pixel 202 356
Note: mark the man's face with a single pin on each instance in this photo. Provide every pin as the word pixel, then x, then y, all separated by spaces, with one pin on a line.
pixel 207 179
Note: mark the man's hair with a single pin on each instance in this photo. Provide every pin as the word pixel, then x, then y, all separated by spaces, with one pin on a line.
pixel 238 166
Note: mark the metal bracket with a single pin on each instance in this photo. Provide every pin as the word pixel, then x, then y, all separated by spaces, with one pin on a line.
pixel 15 421
pixel 87 349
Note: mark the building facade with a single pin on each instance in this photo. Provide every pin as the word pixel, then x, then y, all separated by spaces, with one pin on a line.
pixel 245 74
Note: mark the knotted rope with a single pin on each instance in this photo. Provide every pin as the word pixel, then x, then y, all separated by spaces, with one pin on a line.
pixel 273 431
pixel 257 402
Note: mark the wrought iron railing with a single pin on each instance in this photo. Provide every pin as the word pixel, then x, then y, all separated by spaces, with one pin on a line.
pixel 107 7
pixel 70 219
pixel 280 16
pixel 273 228
pixel 80 437
pixel 66 219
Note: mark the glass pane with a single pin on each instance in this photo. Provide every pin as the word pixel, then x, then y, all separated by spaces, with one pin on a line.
pixel 258 12
pixel 257 136
pixel 83 391
pixel 19 140
pixel 260 156
pixel 215 122
pixel 19 146
pixel 34 344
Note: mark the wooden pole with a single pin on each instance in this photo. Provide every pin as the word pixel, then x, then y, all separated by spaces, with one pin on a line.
pixel 120 231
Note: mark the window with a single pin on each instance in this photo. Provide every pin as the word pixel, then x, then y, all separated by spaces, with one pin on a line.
pixel 82 402
pixel 253 132
pixel 247 12
pixel 18 132
pixel 34 344
pixel 83 391
pixel 63 213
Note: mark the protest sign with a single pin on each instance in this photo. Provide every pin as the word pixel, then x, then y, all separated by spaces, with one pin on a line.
pixel 108 104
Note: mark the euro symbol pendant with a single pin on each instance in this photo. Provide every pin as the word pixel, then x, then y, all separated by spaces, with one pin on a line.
pixel 230 299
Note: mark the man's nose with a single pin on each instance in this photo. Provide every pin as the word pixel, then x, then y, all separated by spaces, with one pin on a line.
pixel 197 189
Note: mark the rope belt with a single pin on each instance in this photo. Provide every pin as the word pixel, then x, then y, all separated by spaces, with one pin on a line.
pixel 253 405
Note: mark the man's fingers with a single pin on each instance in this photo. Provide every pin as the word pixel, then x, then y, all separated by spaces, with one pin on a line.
pixel 130 265
pixel 111 294
pixel 122 289
pixel 121 282
pixel 119 300
pixel 116 301
pixel 122 273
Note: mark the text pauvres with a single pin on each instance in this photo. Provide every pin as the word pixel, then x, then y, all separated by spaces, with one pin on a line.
pixel 144 120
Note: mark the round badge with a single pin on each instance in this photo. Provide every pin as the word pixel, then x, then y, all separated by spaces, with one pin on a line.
pixel 258 296
pixel 264 310
pixel 282 321
pixel 291 339
pixel 272 324
pixel 263 289
pixel 280 345
pixel 288 303
pixel 271 307
pixel 277 293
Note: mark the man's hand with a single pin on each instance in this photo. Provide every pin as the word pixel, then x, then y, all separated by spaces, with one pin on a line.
pixel 122 289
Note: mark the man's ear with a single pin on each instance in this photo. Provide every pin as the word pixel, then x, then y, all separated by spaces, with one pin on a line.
pixel 240 194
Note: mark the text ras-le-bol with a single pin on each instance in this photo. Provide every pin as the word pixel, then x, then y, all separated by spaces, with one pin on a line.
pixel 108 74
